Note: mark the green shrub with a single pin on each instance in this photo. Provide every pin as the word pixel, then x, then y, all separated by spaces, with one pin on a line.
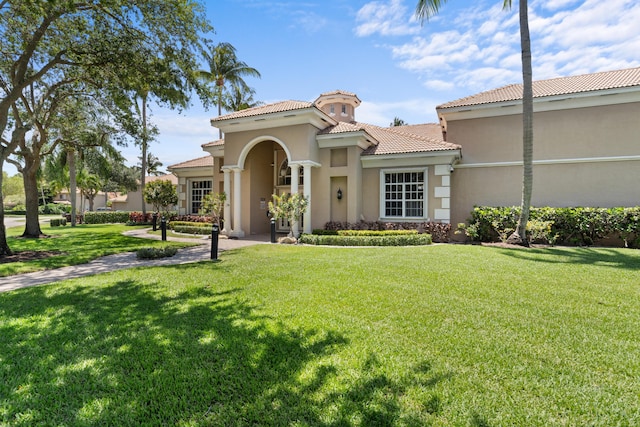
pixel 155 253
pixel 106 217
pixel 440 232
pixel 191 227
pixel 57 222
pixel 376 232
pixel 386 240
pixel 579 226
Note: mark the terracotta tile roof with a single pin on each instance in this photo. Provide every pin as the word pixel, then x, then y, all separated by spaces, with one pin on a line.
pixel 342 127
pixel 394 141
pixel 430 130
pixel 338 92
pixel 397 140
pixel 553 87
pixel 219 142
pixel 194 163
pixel 277 107
pixel 166 177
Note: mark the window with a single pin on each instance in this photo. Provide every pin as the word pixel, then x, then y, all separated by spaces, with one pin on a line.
pixel 403 194
pixel 199 189
pixel 332 109
pixel 284 174
pixel 344 110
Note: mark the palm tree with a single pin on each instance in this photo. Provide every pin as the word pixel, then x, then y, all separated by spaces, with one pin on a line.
pixel 225 67
pixel 427 8
pixel 397 121
pixel 240 97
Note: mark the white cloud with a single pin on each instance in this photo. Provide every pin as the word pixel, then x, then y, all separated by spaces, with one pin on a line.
pixel 386 18
pixel 479 49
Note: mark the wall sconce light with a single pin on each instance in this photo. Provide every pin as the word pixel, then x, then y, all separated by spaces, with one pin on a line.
pixel 339 194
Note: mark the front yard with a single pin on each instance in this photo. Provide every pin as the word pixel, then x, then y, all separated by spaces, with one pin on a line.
pixel 439 335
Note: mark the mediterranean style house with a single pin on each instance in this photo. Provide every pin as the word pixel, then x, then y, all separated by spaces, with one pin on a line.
pixel 586 153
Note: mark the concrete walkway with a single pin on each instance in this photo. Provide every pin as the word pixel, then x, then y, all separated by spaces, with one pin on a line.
pixel 201 252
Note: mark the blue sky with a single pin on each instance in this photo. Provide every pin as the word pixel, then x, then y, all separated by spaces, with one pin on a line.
pixel 397 67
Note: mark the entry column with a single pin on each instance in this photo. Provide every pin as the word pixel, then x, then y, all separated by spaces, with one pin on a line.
pixel 295 179
pixel 227 203
pixel 307 194
pixel 237 203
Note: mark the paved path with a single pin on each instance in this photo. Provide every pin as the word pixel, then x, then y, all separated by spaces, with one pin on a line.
pixel 124 260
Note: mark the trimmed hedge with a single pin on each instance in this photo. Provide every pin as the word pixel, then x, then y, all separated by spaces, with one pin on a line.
pixel 575 226
pixel 191 227
pixel 155 253
pixel 106 217
pixel 440 232
pixel 387 240
pixel 57 222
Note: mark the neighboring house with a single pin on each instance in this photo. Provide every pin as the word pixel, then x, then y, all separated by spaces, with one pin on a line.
pixel 132 201
pixel 99 202
pixel 586 152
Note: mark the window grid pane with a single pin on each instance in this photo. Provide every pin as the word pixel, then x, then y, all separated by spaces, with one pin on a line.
pixel 404 194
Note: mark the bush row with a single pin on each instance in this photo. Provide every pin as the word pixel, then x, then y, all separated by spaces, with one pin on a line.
pixel 577 226
pixel 190 227
pixel 57 222
pixel 439 232
pixel 364 232
pixel 388 240
pixel 105 217
pixel 155 253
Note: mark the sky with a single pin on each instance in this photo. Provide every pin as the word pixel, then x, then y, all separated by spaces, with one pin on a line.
pixel 396 66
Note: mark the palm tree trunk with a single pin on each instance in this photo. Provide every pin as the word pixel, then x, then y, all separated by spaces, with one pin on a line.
pixel 520 236
pixel 143 161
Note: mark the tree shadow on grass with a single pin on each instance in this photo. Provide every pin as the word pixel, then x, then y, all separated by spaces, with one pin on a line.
pixel 617 258
pixel 127 354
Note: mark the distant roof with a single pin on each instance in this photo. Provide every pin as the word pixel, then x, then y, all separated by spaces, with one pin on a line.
pixel 166 177
pixel 277 107
pixel 553 87
pixel 194 163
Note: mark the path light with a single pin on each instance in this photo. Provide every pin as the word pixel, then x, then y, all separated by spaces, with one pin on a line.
pixel 339 194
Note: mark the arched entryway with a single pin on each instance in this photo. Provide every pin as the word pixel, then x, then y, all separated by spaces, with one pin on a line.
pixel 264 168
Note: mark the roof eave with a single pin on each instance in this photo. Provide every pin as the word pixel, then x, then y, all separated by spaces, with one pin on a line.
pixel 542 103
pixel 309 115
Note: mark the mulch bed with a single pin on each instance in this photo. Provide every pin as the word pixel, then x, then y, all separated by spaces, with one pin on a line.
pixel 25 256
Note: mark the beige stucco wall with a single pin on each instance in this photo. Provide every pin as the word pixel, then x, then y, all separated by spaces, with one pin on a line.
pixel 299 140
pixel 575 161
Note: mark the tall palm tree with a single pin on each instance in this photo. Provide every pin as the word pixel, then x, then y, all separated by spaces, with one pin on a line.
pixel 427 8
pixel 225 67
pixel 240 97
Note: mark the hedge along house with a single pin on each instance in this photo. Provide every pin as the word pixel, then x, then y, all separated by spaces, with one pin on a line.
pixel 586 143
pixel 349 171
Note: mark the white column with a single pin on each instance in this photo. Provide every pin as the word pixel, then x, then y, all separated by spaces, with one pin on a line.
pixel 237 203
pixel 227 203
pixel 295 178
pixel 307 195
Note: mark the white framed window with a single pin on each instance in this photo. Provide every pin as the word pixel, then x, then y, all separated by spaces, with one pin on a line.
pixel 284 174
pixel 199 189
pixel 403 193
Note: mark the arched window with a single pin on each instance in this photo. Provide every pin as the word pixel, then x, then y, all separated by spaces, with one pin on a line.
pixel 284 174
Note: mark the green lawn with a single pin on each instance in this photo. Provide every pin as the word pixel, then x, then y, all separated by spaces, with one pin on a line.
pixel 441 335
pixel 75 245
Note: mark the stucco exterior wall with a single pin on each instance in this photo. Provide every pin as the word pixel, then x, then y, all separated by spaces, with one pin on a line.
pixel 581 158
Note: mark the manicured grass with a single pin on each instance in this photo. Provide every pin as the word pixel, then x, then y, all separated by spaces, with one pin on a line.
pixel 77 245
pixel 279 335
